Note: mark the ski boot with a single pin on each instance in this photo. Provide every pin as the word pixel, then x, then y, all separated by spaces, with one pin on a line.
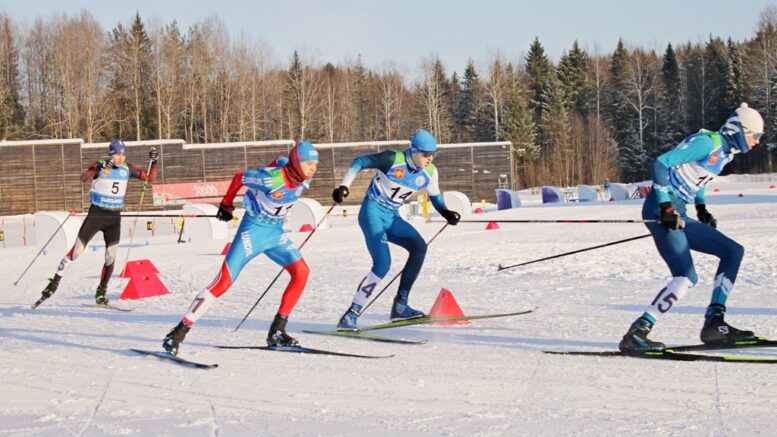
pixel 48 291
pixel 716 330
pixel 99 295
pixel 277 335
pixel 636 342
pixel 51 288
pixel 350 319
pixel 401 310
pixel 175 337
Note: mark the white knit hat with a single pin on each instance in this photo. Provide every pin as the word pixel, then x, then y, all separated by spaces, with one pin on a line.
pixel 750 119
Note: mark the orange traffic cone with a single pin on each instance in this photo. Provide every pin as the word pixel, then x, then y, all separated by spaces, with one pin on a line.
pixel 446 306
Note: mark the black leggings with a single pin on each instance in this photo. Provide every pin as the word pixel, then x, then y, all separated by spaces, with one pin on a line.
pixel 99 219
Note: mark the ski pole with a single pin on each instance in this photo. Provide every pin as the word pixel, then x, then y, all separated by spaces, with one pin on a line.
pixel 43 247
pixel 558 221
pixel 400 272
pixel 135 220
pixel 180 234
pixel 156 215
pixel 281 271
pixel 501 267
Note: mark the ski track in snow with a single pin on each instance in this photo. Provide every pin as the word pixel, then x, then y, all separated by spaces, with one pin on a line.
pixel 96 408
pixel 67 369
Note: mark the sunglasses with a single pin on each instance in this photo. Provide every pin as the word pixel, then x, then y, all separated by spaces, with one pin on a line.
pixel 428 154
pixel 756 135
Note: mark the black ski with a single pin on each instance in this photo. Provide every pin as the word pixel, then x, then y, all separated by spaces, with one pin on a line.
pixel 427 319
pixel 304 350
pixel 756 343
pixel 672 356
pixel 38 302
pixel 365 336
pixel 174 358
pixel 109 306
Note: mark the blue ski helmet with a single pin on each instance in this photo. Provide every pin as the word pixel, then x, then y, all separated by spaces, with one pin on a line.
pixel 422 141
pixel 117 146
pixel 305 151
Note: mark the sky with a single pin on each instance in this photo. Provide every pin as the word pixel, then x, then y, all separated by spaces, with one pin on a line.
pixel 406 32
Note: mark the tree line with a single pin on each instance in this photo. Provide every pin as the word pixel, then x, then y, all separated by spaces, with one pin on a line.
pixel 579 120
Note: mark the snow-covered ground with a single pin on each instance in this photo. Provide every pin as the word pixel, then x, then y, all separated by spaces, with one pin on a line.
pixel 66 368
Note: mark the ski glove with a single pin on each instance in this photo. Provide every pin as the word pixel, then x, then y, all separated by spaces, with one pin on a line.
pixel 153 154
pixel 340 193
pixel 452 217
pixel 705 216
pixel 670 218
pixel 105 165
pixel 225 212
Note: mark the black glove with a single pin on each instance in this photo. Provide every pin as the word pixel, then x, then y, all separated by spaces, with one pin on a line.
pixel 705 216
pixel 340 193
pixel 105 165
pixel 670 218
pixel 452 217
pixel 153 154
pixel 225 212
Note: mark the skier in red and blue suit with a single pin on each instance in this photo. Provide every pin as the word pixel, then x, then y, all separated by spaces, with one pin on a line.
pixel 272 191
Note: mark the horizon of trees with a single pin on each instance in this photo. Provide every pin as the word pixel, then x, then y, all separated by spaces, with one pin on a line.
pixel 584 118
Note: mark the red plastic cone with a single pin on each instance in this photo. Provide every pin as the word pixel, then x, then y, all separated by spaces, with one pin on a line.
pixel 492 225
pixel 771 187
pixel 140 287
pixel 446 306
pixel 478 210
pixel 139 267
pixel 226 248
pixel 306 228
pixel 143 281
pixel 716 190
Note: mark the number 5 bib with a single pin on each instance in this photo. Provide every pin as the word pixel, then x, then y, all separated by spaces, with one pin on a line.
pixel 109 187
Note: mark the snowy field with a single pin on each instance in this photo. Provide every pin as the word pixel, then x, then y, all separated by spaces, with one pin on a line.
pixel 66 368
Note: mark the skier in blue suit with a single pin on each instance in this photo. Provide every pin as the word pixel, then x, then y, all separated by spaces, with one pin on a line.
pixel 679 179
pixel 399 175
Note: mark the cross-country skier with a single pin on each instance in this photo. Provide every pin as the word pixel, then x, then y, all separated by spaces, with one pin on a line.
pixel 272 191
pixel 400 173
pixel 109 179
pixel 679 179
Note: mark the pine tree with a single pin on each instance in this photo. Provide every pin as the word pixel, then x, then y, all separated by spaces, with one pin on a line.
pixel 670 105
pixel 573 72
pixel 11 110
pixel 469 104
pixel 540 72
pixel 718 81
pixel 518 128
pixel 131 81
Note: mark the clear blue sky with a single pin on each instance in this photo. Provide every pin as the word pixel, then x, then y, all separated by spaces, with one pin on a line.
pixel 406 31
